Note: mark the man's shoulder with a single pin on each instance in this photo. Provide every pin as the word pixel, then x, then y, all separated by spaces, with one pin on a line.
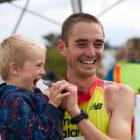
pixel 118 89
pixel 116 93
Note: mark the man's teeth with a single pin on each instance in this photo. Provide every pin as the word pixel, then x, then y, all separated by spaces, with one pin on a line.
pixel 88 61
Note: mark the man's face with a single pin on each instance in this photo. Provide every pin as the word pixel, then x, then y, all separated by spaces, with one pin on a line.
pixel 85 47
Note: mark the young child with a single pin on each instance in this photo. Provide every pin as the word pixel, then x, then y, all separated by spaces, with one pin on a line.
pixel 24 113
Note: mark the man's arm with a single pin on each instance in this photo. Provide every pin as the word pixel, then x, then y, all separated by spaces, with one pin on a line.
pixel 122 112
pixel 122 104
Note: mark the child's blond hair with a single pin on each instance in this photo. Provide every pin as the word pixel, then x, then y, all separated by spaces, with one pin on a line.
pixel 17 49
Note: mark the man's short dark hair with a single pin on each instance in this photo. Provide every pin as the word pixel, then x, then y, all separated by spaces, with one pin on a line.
pixel 76 18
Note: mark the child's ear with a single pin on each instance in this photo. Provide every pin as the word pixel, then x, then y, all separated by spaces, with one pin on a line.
pixel 62 48
pixel 14 69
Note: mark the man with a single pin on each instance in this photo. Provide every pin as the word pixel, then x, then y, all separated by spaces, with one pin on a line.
pixel 109 105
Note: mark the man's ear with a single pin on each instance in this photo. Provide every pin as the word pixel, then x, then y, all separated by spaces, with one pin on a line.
pixel 62 48
pixel 14 69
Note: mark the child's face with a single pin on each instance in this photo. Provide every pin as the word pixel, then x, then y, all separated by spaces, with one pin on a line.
pixel 32 70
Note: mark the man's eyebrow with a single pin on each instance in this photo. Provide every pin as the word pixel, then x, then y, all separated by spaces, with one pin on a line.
pixel 100 40
pixel 85 40
pixel 80 40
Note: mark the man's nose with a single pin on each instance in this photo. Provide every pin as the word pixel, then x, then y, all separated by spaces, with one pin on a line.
pixel 90 51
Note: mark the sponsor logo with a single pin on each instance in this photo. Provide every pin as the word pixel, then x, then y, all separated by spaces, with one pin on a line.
pixel 70 130
pixel 71 133
pixel 96 106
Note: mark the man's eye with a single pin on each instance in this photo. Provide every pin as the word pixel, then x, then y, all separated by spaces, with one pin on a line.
pixel 99 45
pixel 81 45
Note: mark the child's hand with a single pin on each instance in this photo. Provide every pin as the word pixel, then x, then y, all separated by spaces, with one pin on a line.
pixel 46 92
pixel 58 91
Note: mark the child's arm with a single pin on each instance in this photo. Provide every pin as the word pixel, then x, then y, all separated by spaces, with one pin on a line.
pixel 29 119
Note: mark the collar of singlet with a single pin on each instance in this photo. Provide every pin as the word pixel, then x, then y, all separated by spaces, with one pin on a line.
pixel 84 97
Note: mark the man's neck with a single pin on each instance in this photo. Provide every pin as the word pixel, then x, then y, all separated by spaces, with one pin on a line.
pixel 83 83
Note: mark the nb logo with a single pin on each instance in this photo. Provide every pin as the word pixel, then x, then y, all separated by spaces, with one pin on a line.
pixel 96 106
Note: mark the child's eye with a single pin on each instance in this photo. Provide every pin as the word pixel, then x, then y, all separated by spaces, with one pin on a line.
pixel 38 65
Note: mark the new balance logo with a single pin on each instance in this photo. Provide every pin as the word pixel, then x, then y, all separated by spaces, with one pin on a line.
pixel 96 106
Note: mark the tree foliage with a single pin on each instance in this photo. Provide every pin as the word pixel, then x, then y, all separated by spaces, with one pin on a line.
pixel 51 39
pixel 55 62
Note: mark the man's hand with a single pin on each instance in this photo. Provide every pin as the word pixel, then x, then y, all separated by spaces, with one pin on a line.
pixel 70 102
